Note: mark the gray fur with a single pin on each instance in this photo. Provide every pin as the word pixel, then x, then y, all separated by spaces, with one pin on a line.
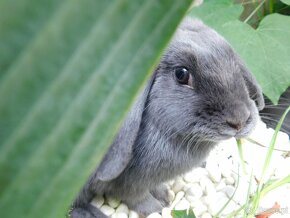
pixel 172 127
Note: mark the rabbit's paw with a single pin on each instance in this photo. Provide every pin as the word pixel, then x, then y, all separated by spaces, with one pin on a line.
pixel 161 194
pixel 145 206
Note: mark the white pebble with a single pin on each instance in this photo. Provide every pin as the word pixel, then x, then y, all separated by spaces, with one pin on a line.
pixel 120 215
pixel 210 189
pixel 214 171
pixel 220 195
pixel 225 167
pixel 178 197
pixel 281 171
pixel 113 202
pixel 207 186
pixel 195 190
pixel 122 208
pixel 178 185
pixel 221 185
pixel 232 206
pixel 191 199
pixel 166 212
pixel 171 195
pixel 186 186
pixel 195 175
pixel 203 183
pixel 206 215
pixel 182 205
pixel 214 207
pixel 199 209
pixel 107 210
pixel 98 201
pixel 133 214
pixel 154 215
pixel 209 199
pixel 190 177
pixel 229 180
pixel 229 190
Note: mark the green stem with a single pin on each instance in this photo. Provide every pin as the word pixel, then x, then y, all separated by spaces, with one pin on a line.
pixel 239 142
pixel 254 11
pixel 271 6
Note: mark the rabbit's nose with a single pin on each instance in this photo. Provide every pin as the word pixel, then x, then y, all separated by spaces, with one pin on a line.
pixel 238 116
pixel 235 125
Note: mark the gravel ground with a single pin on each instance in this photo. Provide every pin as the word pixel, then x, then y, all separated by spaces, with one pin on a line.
pixel 206 190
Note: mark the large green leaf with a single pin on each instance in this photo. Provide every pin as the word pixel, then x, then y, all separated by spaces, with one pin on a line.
pixel 64 95
pixel 266 50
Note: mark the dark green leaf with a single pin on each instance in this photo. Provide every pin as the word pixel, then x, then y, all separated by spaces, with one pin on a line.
pixel 182 214
pixel 63 98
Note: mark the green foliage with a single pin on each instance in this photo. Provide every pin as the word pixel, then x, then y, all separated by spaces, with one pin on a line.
pixel 266 50
pixel 182 214
pixel 287 2
pixel 69 73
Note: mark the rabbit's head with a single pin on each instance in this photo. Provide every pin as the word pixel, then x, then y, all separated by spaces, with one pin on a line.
pixel 202 87
pixel 200 90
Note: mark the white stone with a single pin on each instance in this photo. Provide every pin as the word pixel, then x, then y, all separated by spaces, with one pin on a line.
pixel 195 190
pixel 225 166
pixel 209 199
pixel 230 180
pixel 189 177
pixel 207 186
pixel 221 185
pixel 195 175
pixel 178 197
pixel 122 208
pixel 182 205
pixel 107 210
pixel 242 190
pixel 97 201
pixel 186 186
pixel 215 207
pixel 229 190
pixel 220 195
pixel 213 171
pixel 154 215
pixel 113 202
pixel 232 206
pixel 171 195
pixel 206 215
pixel 203 183
pixel 166 212
pixel 281 170
pixel 191 199
pixel 171 182
pixel 178 185
pixel 133 214
pixel 121 215
pixel 199 209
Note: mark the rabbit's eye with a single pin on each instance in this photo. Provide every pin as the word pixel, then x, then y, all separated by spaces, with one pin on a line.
pixel 182 75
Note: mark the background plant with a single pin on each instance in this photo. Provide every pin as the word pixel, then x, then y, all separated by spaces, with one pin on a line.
pixel 266 49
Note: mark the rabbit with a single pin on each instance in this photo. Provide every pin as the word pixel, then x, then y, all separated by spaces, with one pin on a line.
pixel 199 94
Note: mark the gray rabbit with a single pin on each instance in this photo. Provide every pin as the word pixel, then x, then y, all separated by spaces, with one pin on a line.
pixel 199 94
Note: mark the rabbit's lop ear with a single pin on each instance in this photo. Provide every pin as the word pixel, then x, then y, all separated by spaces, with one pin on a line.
pixel 254 89
pixel 119 154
